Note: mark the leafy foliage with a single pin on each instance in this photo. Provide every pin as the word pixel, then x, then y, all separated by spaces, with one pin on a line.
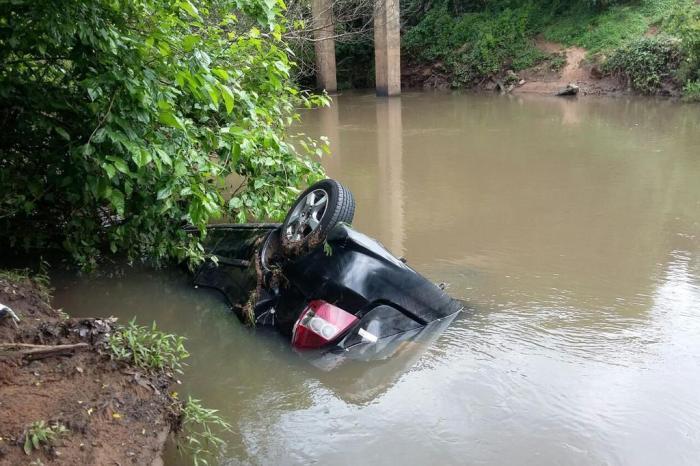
pixel 645 63
pixel 475 45
pixel 148 348
pixel 125 119
pixel 691 91
pixel 685 24
pixel 41 434
pixel 199 438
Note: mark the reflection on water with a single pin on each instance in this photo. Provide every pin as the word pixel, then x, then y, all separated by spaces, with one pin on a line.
pixel 572 229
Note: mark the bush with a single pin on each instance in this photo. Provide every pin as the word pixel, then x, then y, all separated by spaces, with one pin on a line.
pixel 133 113
pixel 691 91
pixel 646 62
pixel 475 45
pixel 685 23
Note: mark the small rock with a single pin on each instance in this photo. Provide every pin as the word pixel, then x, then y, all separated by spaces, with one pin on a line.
pixel 521 82
pixel 570 89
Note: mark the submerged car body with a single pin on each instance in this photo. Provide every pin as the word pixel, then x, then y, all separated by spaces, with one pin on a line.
pixel 345 293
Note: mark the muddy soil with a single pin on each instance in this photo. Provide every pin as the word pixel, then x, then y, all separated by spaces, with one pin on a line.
pixel 114 413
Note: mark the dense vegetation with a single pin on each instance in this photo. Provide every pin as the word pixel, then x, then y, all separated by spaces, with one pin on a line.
pixel 122 120
pixel 476 39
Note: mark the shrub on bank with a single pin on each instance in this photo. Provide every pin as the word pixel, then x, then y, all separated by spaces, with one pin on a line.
pixel 685 24
pixel 691 91
pixel 474 45
pixel 646 63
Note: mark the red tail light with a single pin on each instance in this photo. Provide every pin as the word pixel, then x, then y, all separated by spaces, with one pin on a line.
pixel 319 324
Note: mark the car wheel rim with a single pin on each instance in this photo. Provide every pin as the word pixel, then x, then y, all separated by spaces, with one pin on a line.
pixel 307 215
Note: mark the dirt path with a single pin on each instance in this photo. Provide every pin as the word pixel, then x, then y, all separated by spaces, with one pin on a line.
pixel 541 80
pixel 113 413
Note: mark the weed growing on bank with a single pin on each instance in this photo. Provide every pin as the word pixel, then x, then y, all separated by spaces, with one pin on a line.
pixel 152 349
pixel 39 434
pixel 198 438
pixel 148 347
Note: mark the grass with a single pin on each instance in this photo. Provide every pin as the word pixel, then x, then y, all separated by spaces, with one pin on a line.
pixel 148 347
pixel 40 434
pixel 152 349
pixel 198 438
pixel 40 278
pixel 604 31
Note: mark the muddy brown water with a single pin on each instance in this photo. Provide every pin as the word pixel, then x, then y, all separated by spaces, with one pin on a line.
pixel 572 229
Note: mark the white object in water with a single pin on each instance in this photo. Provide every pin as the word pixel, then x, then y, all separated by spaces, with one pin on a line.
pixel 367 336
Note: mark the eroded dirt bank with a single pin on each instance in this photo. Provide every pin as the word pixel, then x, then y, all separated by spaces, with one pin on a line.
pixel 112 412
pixel 575 68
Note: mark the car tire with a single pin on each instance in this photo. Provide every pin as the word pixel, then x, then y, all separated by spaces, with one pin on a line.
pixel 315 212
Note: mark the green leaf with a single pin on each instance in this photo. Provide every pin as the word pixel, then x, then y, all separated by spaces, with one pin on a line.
pixel 109 168
pixel 180 168
pixel 142 158
pixel 228 98
pixel 116 198
pixel 163 193
pixel 164 157
pixel 62 132
pixel 221 73
pixel 170 119
pixel 119 164
pixel 213 94
pixel 190 8
pixel 189 42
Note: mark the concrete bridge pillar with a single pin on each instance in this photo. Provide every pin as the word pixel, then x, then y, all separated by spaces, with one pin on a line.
pixel 387 47
pixel 324 45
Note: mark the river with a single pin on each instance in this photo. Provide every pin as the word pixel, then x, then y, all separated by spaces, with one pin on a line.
pixel 571 228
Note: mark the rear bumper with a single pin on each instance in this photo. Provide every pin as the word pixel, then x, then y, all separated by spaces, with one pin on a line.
pixel 414 341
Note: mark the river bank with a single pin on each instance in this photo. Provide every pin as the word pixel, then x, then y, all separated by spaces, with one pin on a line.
pixel 650 47
pixel 55 376
pixel 570 67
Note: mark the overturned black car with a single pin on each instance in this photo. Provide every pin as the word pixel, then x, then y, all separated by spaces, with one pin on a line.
pixel 320 282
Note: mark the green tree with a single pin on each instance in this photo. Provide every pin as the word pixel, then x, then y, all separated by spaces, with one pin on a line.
pixel 122 120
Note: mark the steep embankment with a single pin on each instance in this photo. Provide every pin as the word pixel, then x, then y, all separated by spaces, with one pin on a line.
pixel 55 381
